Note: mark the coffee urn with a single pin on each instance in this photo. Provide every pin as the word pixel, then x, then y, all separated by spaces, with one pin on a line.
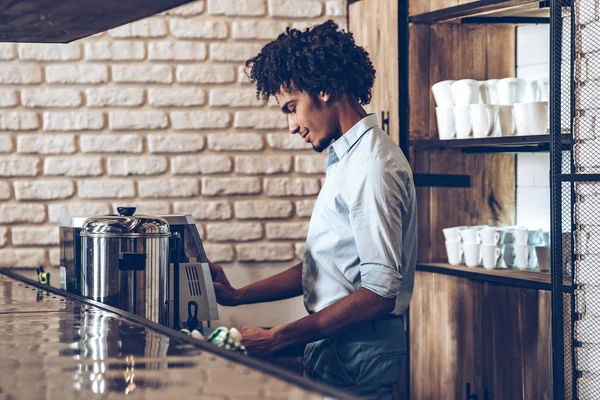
pixel 125 263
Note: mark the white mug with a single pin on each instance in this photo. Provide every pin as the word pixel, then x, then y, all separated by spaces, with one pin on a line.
pixel 525 257
pixel 491 255
pixel 472 253
pixel 542 254
pixel 507 121
pixel 489 91
pixel 508 236
pixel 544 89
pixel 520 111
pixel 532 92
pixel 462 122
pixel 455 252
pixel 445 122
pixel 489 236
pixel 442 93
pixel 508 256
pixel 521 236
pixel 470 235
pixel 510 91
pixel 451 234
pixel 483 117
pixel 538 117
pixel 465 92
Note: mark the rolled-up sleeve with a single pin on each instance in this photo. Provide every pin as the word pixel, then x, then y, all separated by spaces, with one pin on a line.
pixel 376 220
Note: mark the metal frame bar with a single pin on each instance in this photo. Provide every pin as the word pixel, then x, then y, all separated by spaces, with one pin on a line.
pixel 467 9
pixel 442 180
pixel 506 20
pixel 254 363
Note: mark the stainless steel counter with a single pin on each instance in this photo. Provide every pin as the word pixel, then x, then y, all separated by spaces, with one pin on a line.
pixel 57 346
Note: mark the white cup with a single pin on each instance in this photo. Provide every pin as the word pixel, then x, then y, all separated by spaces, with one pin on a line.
pixel 451 234
pixel 442 93
pixel 520 112
pixel 465 92
pixel 542 254
pixel 521 236
pixel 491 255
pixel 538 117
pixel 472 253
pixel 470 235
pixel 488 91
pixel 525 257
pixel 532 91
pixel 508 236
pixel 455 252
pixel 462 122
pixel 483 117
pixel 508 256
pixel 507 121
pixel 545 237
pixel 490 236
pixel 445 122
pixel 544 89
pixel 510 91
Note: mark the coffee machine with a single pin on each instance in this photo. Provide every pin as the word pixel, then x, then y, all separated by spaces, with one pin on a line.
pixel 190 298
pixel 191 284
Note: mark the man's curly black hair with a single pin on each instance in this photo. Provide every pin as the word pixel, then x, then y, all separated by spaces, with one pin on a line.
pixel 319 59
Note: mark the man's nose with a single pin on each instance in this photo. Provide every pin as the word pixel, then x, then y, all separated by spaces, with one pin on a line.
pixel 292 125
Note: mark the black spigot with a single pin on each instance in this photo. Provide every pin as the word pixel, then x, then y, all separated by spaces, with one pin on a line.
pixel 126 211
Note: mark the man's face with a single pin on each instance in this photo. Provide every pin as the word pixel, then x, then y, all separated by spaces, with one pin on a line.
pixel 312 118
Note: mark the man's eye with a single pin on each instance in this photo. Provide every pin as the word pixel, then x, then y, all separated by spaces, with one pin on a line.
pixel 293 110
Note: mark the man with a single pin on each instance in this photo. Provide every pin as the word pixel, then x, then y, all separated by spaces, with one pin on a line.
pixel 358 269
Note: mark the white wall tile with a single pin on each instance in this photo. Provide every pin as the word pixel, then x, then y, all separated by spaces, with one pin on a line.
pixel 533 44
pixel 533 207
pixel 534 71
pixel 542 170
pixel 525 170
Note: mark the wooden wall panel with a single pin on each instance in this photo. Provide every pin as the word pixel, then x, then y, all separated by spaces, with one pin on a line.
pixel 517 342
pixel 374 24
pixel 500 49
pixel 446 351
pixel 419 87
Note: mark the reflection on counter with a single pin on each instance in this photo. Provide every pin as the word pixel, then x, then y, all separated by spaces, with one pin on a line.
pixel 55 347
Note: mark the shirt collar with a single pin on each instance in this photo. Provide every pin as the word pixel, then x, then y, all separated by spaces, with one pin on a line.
pixel 347 140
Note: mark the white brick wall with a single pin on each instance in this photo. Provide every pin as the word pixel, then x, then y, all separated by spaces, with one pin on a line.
pixel 533 170
pixel 158 114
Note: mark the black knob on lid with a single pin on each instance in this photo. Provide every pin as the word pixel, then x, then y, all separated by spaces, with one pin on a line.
pixel 126 211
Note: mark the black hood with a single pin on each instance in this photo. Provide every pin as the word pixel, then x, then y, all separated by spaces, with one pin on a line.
pixel 63 21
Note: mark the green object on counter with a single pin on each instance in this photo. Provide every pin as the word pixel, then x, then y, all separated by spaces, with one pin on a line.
pixel 222 337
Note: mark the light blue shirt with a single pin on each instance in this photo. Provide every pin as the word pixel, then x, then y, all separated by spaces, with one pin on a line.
pixel 363 229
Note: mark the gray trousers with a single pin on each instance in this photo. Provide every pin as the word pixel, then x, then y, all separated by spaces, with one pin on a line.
pixel 365 360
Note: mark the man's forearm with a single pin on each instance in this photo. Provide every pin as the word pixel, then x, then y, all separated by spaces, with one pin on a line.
pixel 284 285
pixel 362 305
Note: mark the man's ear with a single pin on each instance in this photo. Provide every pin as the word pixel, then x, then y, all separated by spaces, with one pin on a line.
pixel 324 97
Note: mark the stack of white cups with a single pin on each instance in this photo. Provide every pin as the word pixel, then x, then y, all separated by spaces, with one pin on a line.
pixel 471 242
pixel 492 241
pixel 525 242
pixel 453 244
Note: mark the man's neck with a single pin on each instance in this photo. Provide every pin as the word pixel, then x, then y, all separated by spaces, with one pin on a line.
pixel 351 112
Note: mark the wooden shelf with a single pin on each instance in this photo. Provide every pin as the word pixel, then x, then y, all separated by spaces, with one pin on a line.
pixel 512 277
pixel 502 144
pixel 484 8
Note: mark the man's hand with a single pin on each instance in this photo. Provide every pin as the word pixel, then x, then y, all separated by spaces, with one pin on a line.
pixel 226 294
pixel 259 342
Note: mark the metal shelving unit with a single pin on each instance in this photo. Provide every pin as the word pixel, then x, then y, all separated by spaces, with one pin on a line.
pixel 575 202
pixel 502 144
pixel 575 173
